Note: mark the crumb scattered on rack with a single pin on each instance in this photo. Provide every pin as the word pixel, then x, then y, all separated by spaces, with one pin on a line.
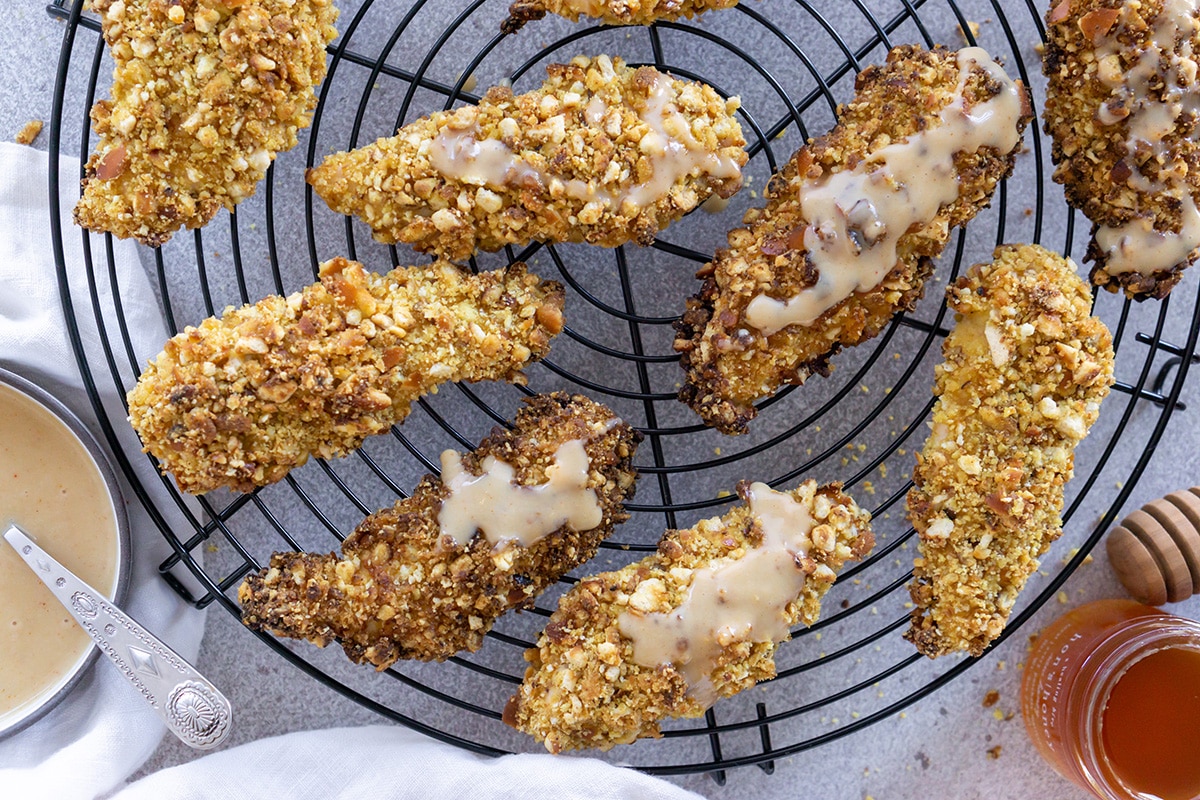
pixel 994 752
pixel 991 698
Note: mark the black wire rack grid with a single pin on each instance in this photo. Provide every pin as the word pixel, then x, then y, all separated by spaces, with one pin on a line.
pixel 832 676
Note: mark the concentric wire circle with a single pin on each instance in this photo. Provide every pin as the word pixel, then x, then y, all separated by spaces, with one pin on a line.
pixel 791 62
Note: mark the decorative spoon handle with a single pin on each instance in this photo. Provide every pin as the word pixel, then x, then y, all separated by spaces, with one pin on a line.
pixel 193 708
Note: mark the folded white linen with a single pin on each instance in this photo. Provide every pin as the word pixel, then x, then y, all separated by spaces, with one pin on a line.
pixel 392 763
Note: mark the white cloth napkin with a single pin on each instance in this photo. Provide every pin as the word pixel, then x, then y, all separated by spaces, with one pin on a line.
pixel 103 730
pixel 394 764
pixel 87 746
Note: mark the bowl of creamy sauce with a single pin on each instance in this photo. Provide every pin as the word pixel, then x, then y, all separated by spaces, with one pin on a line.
pixel 56 484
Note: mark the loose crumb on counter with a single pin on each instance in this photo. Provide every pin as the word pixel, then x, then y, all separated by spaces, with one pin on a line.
pixel 29 132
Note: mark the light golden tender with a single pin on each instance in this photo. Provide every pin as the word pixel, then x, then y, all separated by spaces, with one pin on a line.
pixel 205 93
pixel 610 12
pixel 393 186
pixel 583 689
pixel 243 398
pixel 730 364
pixel 402 591
pixel 1093 162
pixel 1025 370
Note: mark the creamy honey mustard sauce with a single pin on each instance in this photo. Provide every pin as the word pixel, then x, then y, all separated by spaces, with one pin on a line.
pixel 732 600
pixel 857 216
pixel 52 489
pixel 672 149
pixel 1136 246
pixel 503 510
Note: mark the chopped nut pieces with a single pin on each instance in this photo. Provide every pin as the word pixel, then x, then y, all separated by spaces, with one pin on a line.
pixel 205 93
pixel 242 399
pixel 612 12
pixel 601 153
pixel 586 685
pixel 29 132
pixel 1120 107
pixel 1025 370
pixel 730 358
pixel 402 589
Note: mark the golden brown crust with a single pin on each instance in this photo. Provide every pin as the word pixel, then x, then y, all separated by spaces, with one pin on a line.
pixel 205 93
pixel 583 688
pixel 400 590
pixel 1093 160
pixel 611 12
pixel 395 188
pixel 730 364
pixel 1025 370
pixel 242 399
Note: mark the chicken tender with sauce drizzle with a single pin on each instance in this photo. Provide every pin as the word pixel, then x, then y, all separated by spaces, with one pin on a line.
pixel 428 578
pixel 1121 108
pixel 610 12
pixel 1025 370
pixel 850 227
pixel 698 620
pixel 205 94
pixel 601 153
pixel 243 398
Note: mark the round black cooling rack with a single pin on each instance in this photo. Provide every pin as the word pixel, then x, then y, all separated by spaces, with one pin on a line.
pixel 791 62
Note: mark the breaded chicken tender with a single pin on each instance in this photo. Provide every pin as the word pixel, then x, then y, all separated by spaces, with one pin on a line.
pixel 1025 370
pixel 1121 108
pixel 241 399
pixel 850 227
pixel 610 12
pixel 698 620
pixel 205 93
pixel 601 153
pixel 428 578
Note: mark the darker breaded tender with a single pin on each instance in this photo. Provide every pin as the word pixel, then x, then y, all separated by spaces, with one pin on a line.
pixel 205 94
pixel 602 153
pixel 402 590
pixel 585 688
pixel 243 398
pixel 1025 370
pixel 729 361
pixel 610 12
pixel 1121 112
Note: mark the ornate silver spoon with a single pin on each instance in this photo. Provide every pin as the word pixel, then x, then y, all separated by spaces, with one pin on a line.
pixel 193 708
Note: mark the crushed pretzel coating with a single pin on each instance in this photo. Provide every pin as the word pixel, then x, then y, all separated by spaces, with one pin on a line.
pixel 601 153
pixel 610 12
pixel 205 93
pixel 403 590
pixel 584 688
pixel 1025 370
pixel 1120 110
pixel 729 362
pixel 241 399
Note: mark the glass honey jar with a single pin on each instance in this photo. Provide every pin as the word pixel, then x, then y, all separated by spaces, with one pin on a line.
pixel 1111 699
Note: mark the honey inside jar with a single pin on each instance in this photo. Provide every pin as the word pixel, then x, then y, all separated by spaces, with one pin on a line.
pixel 1111 700
pixel 53 489
pixel 1151 725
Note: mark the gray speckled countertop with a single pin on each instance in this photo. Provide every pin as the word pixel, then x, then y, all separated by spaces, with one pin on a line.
pixel 938 747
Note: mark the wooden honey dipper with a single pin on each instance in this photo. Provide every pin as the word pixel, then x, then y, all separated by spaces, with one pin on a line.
pixel 1155 551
